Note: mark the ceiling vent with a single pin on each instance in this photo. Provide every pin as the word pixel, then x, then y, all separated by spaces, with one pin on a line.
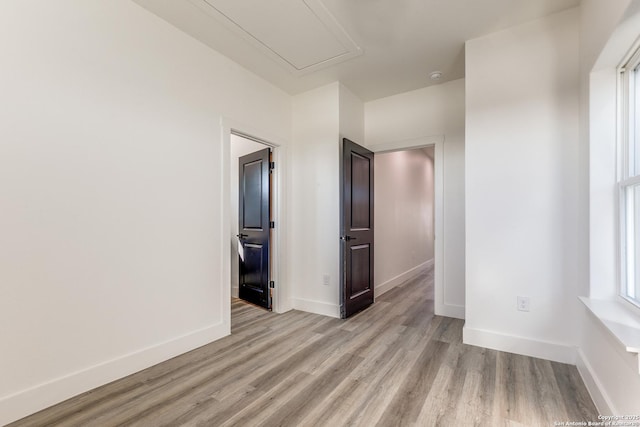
pixel 300 34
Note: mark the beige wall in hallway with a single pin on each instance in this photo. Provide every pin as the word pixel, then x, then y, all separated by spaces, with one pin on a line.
pixel 404 195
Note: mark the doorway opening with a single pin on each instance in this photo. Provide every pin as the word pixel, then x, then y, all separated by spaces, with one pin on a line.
pixel 252 220
pixel 405 212
pixel 403 203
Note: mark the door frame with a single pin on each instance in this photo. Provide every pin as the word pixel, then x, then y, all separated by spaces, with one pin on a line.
pixel 436 141
pixel 280 295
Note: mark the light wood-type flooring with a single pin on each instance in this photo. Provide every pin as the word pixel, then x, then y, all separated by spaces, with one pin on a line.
pixel 394 364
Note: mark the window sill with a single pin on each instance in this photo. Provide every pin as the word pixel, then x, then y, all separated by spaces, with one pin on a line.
pixel 619 320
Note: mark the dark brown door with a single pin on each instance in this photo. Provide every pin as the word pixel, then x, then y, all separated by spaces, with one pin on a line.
pixel 253 237
pixel 357 228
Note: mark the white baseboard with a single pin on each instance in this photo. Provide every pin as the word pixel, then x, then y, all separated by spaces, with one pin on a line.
pixel 235 292
pixel 555 352
pixel 594 386
pixel 401 278
pixel 285 306
pixel 450 310
pixel 317 307
pixel 26 402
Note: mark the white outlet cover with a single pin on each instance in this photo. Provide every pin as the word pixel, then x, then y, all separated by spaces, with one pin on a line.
pixel 523 304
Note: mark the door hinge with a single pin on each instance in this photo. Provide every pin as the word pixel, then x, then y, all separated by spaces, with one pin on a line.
pixel 272 165
pixel 272 284
pixel 272 224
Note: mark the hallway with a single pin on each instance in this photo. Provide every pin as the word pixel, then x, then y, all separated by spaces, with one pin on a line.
pixel 391 365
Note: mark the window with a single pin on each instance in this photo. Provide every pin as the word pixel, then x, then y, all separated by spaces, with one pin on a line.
pixel 629 178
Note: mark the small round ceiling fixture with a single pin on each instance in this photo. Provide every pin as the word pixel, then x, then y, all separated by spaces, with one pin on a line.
pixel 436 75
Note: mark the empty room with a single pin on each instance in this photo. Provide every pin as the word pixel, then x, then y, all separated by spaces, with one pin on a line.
pixel 319 213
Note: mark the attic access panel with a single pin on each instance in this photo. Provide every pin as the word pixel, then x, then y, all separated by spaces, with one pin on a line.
pixel 300 34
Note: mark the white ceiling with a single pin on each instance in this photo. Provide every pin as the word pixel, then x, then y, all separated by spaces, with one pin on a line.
pixel 376 48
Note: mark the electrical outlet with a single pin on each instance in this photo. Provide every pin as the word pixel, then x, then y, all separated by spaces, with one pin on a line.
pixel 326 279
pixel 523 303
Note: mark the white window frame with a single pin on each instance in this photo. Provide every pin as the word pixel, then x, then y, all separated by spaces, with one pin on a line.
pixel 627 177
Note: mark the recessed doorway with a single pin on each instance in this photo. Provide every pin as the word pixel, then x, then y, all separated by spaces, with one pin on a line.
pixel 405 215
pixel 251 219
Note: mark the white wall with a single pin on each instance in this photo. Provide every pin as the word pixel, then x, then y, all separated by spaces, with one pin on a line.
pixel 320 118
pixel 351 116
pixel 404 216
pixel 522 96
pixel 110 189
pixel 608 30
pixel 314 238
pixel 433 115
pixel 239 147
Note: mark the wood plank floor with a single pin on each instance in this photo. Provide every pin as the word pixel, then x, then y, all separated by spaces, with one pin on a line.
pixel 395 364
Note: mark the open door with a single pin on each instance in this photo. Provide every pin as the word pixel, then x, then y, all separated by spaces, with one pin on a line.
pixel 357 228
pixel 253 226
